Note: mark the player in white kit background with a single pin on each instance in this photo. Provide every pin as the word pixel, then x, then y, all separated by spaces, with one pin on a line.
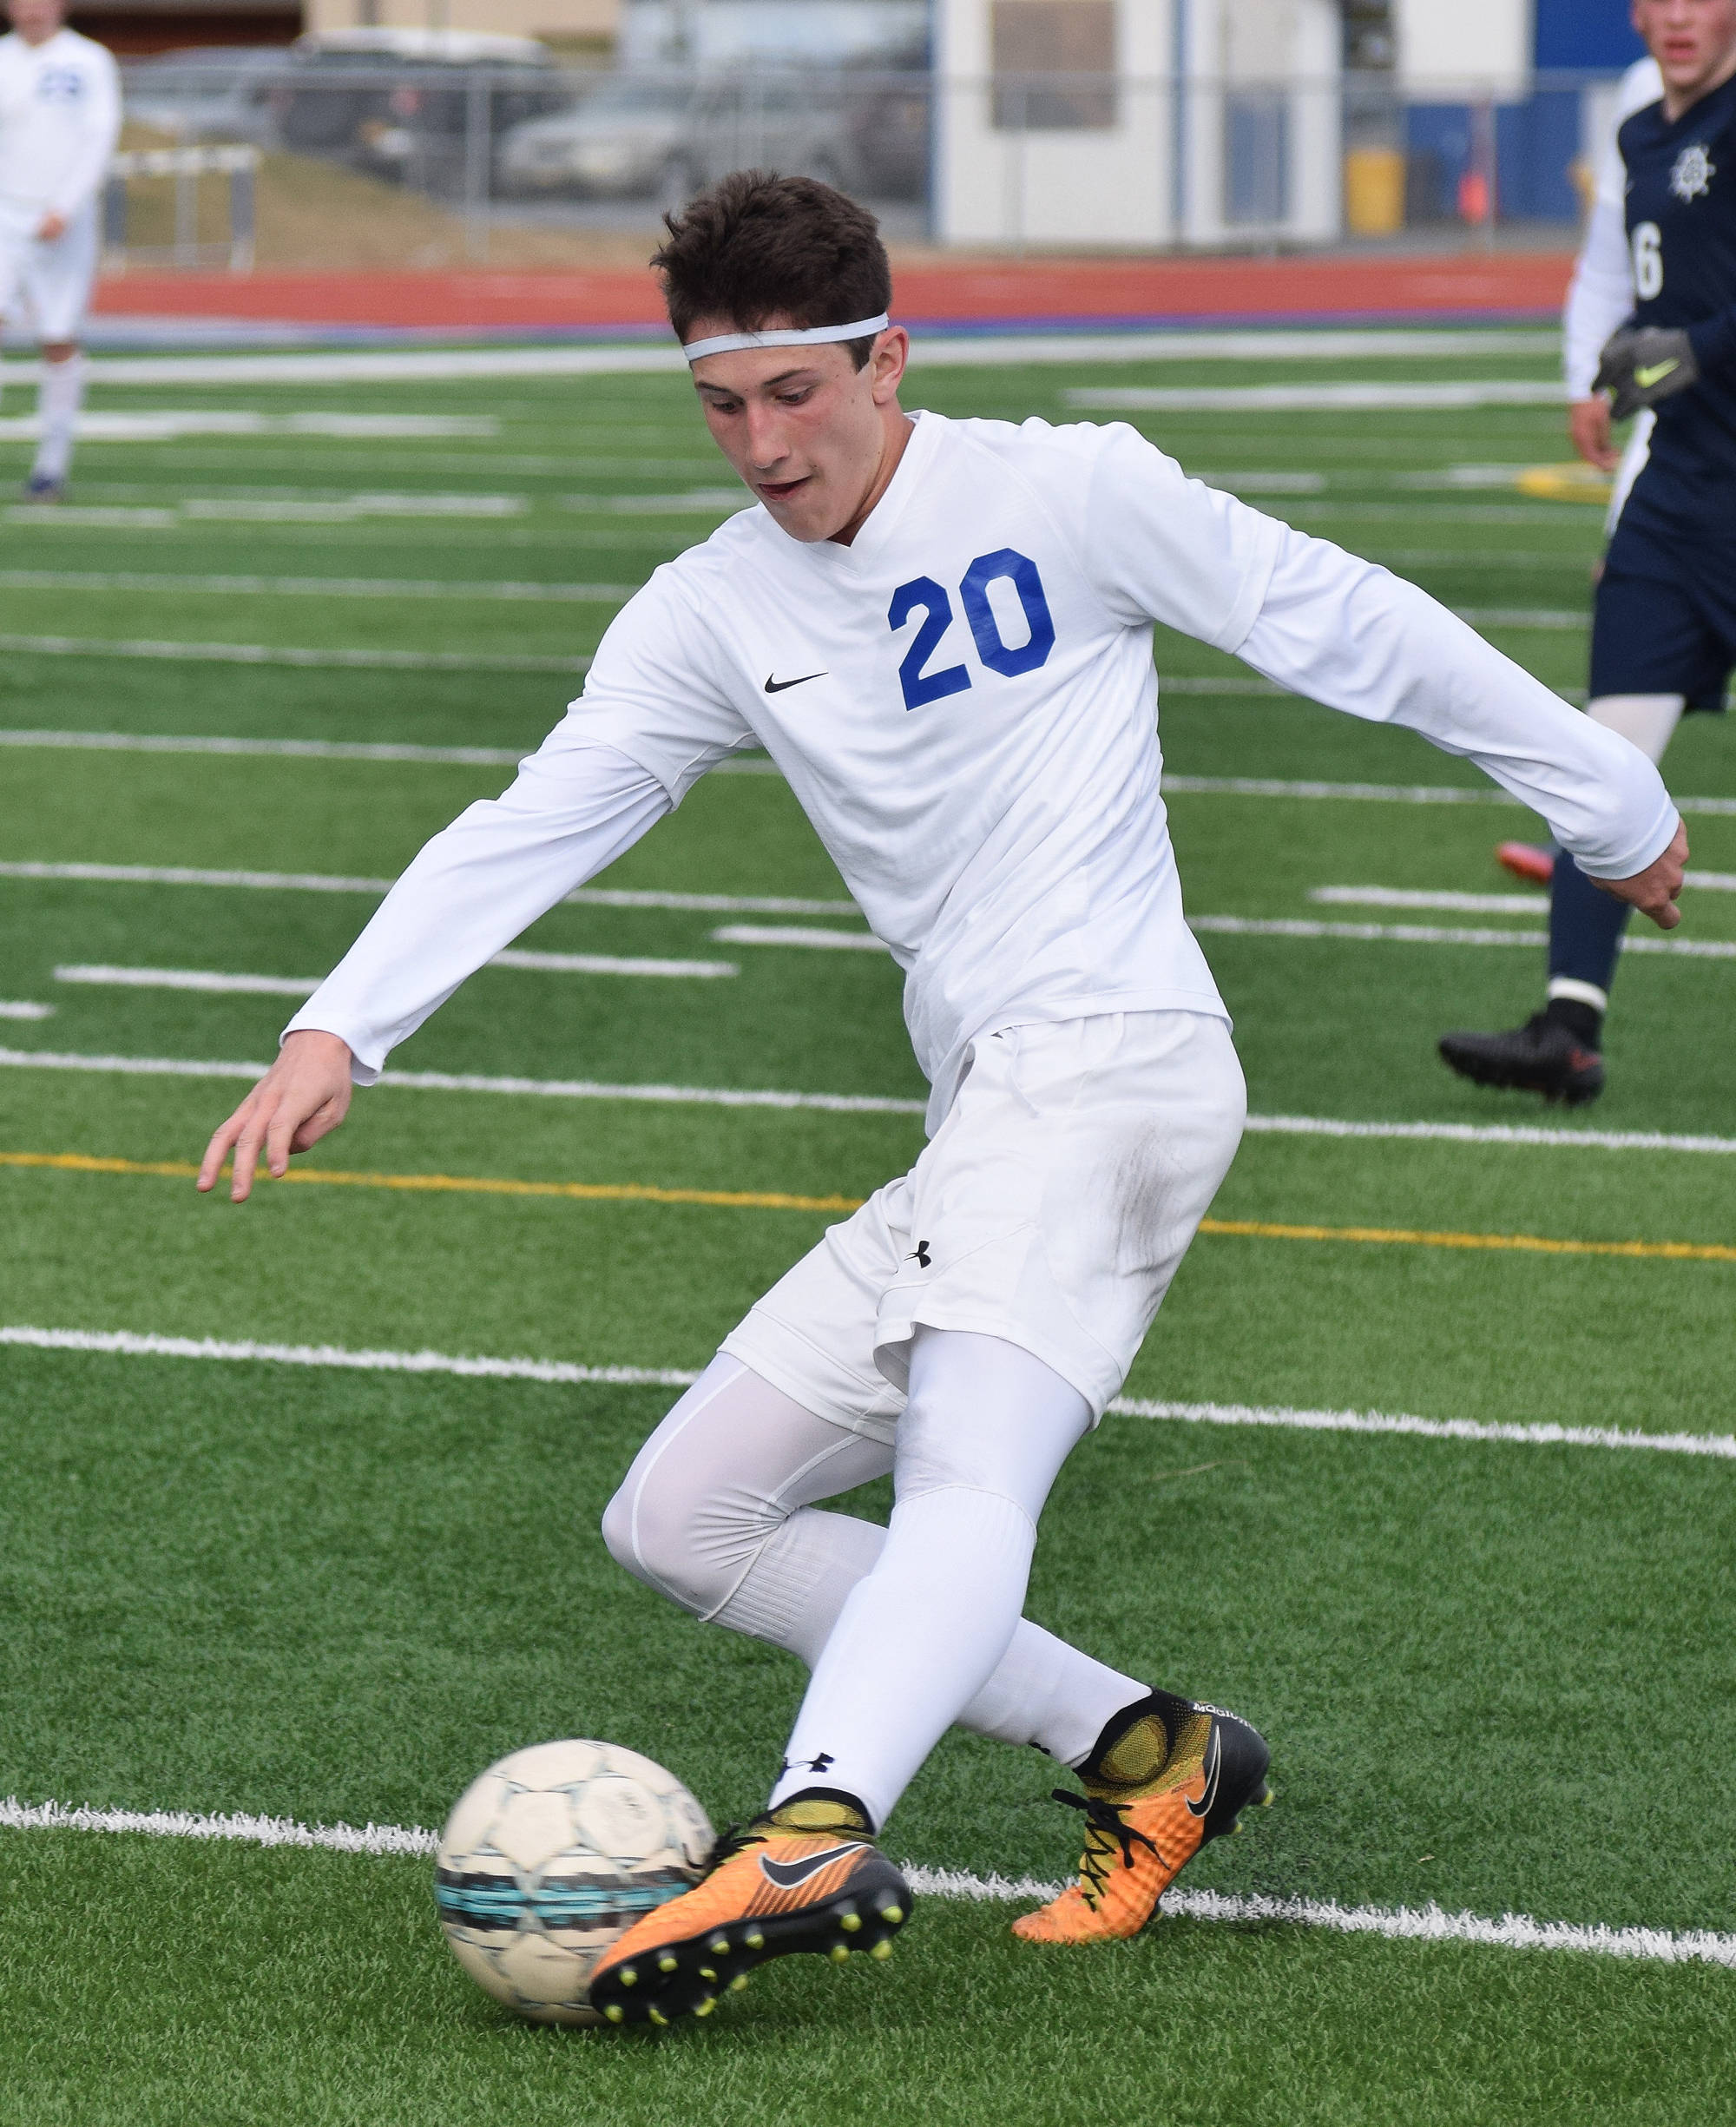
pixel 940 631
pixel 60 117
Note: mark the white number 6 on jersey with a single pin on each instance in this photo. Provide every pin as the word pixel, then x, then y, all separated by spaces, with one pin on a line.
pixel 1648 261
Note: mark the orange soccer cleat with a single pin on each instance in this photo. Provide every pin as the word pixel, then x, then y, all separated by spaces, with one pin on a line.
pixel 806 1877
pixel 1168 1776
pixel 1526 860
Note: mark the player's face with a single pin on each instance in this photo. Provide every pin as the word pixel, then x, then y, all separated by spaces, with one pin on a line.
pixel 1692 40
pixel 36 20
pixel 815 438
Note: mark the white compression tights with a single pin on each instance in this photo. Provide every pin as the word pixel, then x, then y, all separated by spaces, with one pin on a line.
pixel 717 1512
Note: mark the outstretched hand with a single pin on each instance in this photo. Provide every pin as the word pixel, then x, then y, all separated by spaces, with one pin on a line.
pixel 302 1097
pixel 1653 891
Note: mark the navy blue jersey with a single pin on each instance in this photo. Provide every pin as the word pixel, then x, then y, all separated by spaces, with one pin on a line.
pixel 1681 238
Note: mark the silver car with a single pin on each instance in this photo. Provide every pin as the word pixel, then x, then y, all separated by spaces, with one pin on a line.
pixel 628 136
pixel 210 92
pixel 665 135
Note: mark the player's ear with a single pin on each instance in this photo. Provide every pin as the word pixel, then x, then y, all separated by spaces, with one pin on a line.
pixel 886 364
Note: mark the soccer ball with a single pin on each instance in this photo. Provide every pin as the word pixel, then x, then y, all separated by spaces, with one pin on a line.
pixel 551 1854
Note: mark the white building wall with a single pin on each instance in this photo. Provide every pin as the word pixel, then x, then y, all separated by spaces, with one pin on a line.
pixel 1161 175
pixel 1078 186
pixel 1446 46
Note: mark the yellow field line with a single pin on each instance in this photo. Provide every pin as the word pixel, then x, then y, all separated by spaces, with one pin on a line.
pixel 1530 1244
pixel 467 1185
pixel 773 1200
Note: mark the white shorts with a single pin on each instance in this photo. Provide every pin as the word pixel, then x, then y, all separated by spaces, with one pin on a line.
pixel 1051 1208
pixel 52 281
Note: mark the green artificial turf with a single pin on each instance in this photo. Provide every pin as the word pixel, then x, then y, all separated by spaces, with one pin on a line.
pixel 1494 1676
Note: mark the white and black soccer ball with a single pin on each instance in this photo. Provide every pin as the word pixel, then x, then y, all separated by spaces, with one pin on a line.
pixel 551 1856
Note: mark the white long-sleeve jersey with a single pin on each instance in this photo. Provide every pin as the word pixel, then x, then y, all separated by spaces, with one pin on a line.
pixel 1601 294
pixel 963 702
pixel 60 117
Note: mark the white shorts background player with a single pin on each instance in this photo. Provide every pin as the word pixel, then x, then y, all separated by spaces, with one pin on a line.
pixel 60 117
pixel 940 631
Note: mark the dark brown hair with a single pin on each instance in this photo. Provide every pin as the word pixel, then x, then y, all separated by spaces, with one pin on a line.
pixel 755 245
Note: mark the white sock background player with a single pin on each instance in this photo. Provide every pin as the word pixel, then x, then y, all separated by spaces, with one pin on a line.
pixel 60 117
pixel 940 631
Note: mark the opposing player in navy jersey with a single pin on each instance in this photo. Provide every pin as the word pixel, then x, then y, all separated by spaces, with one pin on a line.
pixel 941 632
pixel 1664 624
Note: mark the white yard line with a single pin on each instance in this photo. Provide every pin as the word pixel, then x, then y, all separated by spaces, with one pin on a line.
pixel 611 963
pixel 1386 793
pixel 1428 934
pixel 128 1344
pixel 272 654
pixel 1479 904
pixel 1256 926
pixel 1549 619
pixel 1315 397
pixel 792 934
pixel 1431 1923
pixel 19 1008
pixel 313 587
pixel 1510 1134
pixel 1530 904
pixel 165 425
pixel 938 348
pixel 465 1082
pixel 322 882
pixel 1517 1133
pixel 107 977
pixel 96 976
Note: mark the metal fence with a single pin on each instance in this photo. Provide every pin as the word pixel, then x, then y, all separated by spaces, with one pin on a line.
pixel 1007 160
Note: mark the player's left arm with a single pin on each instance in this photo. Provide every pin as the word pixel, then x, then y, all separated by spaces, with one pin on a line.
pixel 98 131
pixel 1351 636
pixel 1156 545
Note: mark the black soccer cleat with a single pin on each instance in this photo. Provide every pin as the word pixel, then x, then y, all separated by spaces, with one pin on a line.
pixel 1542 1056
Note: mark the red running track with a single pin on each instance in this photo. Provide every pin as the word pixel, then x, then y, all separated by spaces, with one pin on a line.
pixel 1494 286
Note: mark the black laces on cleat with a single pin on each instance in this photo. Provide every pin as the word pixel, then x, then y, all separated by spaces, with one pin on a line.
pixel 1106 1830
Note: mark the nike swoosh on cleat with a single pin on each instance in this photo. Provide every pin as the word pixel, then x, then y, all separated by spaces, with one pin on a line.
pixel 790 1875
pixel 1655 373
pixel 776 686
pixel 1214 1765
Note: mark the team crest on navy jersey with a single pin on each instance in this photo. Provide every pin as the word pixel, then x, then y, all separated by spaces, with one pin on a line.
pixel 1694 173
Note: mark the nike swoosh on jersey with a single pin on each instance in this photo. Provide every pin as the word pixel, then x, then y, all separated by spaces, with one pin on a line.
pixel 777 687
pixel 1655 373
pixel 1214 1765
pixel 790 1875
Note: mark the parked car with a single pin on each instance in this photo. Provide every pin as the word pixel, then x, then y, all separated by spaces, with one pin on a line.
pixel 379 99
pixel 629 136
pixel 666 136
pixel 210 92
pixel 888 105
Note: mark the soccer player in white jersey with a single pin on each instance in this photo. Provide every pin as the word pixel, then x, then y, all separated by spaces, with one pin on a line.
pixel 60 117
pixel 940 631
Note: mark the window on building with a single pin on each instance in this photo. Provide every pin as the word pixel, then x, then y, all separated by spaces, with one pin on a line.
pixel 1054 64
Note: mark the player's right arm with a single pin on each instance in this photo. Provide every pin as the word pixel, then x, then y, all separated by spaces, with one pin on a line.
pixel 649 725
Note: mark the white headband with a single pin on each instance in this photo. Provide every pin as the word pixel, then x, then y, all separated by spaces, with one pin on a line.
pixel 809 336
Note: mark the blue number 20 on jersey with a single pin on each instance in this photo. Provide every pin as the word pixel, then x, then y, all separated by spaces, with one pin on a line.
pixel 923 594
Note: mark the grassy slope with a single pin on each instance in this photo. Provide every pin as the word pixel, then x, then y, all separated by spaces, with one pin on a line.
pixel 338 1596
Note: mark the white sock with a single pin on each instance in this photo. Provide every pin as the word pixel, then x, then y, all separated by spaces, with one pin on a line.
pixel 59 397
pixel 713 1514
pixel 1646 720
pixel 1042 1691
pixel 987 1428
